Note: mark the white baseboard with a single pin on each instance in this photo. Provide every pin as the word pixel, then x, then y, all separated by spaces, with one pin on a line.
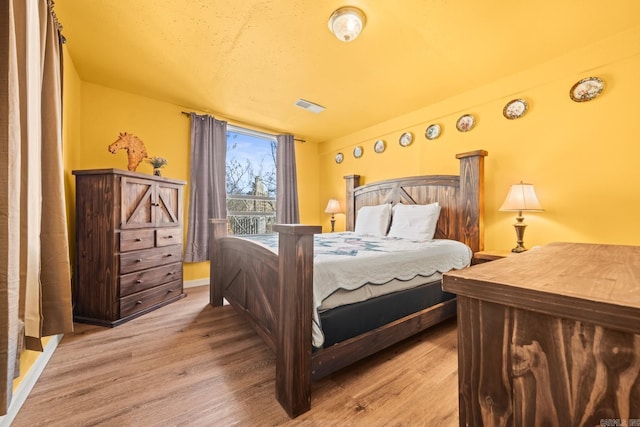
pixel 30 379
pixel 196 282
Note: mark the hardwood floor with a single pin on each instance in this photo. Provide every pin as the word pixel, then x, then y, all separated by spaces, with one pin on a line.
pixel 189 364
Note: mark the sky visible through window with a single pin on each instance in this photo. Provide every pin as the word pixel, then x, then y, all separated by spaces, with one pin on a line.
pixel 249 157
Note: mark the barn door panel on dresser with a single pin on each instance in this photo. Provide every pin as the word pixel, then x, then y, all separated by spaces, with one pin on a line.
pixel 137 203
pixel 128 245
pixel 168 205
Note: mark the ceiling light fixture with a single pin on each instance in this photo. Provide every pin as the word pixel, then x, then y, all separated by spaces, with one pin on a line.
pixel 347 22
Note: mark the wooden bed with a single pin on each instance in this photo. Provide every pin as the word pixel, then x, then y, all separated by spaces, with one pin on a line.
pixel 274 293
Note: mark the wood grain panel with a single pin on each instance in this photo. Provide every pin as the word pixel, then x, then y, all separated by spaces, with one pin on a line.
pixel 168 236
pixel 132 240
pixel 138 208
pixel 145 279
pixel 523 368
pixel 550 337
pixel 148 258
pixel 150 298
pixel 96 246
pixel 293 346
pixel 247 276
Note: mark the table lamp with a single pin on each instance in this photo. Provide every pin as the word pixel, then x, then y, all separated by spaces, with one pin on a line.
pixel 333 207
pixel 521 198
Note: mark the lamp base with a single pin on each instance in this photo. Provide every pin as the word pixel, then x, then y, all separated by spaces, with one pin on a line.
pixel 333 223
pixel 519 226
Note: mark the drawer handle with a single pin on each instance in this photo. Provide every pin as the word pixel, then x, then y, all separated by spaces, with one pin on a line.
pixel 139 260
pixel 169 255
pixel 138 239
pixel 169 291
pixel 138 281
pixel 139 302
pixel 169 237
pixel 171 273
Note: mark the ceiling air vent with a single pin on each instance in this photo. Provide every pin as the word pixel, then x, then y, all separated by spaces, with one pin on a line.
pixel 314 108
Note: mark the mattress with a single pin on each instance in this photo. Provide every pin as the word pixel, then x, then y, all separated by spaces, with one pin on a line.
pixel 348 321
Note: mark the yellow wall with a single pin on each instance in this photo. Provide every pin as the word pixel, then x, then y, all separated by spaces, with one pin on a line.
pixel 581 157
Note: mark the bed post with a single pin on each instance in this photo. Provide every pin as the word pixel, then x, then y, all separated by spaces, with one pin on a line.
pixel 471 215
pixel 217 230
pixel 352 181
pixel 295 311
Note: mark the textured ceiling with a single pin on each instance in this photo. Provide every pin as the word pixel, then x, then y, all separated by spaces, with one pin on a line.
pixel 250 60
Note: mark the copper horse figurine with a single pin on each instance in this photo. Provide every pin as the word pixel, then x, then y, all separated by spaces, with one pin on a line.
pixel 136 151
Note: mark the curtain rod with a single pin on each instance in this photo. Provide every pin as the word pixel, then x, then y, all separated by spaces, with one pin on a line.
pixel 295 139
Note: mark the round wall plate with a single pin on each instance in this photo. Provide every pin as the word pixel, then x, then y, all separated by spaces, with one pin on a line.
pixel 586 89
pixel 406 139
pixel 379 146
pixel 433 131
pixel 515 109
pixel 358 151
pixel 339 158
pixel 465 123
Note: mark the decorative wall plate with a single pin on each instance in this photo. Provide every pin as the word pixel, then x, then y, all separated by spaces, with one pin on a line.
pixel 465 123
pixel 432 131
pixel 406 139
pixel 515 109
pixel 586 89
pixel 357 152
pixel 379 146
pixel 339 157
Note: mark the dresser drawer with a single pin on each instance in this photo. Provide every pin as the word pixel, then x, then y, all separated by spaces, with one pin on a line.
pixel 147 299
pixel 145 279
pixel 149 258
pixel 136 240
pixel 168 236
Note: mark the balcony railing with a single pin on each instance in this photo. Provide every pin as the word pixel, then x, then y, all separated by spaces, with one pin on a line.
pixel 250 214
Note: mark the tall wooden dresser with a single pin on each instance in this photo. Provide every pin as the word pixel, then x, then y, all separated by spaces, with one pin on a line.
pixel 128 245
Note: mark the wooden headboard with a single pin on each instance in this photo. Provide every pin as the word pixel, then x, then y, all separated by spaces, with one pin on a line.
pixel 461 198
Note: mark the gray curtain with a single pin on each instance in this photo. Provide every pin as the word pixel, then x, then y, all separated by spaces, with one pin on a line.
pixel 207 185
pixel 35 278
pixel 286 183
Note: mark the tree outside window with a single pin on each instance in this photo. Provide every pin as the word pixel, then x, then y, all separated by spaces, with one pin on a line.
pixel 250 181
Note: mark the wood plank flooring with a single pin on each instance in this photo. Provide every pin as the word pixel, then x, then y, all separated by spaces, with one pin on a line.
pixel 189 364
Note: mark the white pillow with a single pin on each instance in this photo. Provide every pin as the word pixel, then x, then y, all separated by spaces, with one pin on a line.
pixel 416 222
pixel 373 220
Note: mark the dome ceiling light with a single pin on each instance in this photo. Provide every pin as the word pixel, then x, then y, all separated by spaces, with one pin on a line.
pixel 346 23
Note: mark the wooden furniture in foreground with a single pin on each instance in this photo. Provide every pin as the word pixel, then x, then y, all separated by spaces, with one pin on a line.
pixel 128 245
pixel 489 255
pixel 274 292
pixel 550 337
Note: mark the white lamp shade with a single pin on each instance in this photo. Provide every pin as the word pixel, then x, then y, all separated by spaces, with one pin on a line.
pixel 522 197
pixel 333 207
pixel 346 23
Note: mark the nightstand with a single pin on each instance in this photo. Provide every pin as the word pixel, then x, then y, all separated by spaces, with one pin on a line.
pixel 489 255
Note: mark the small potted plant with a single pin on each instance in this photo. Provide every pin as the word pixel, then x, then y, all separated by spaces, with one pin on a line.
pixel 157 163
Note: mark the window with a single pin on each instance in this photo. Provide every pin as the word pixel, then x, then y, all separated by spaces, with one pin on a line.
pixel 251 181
